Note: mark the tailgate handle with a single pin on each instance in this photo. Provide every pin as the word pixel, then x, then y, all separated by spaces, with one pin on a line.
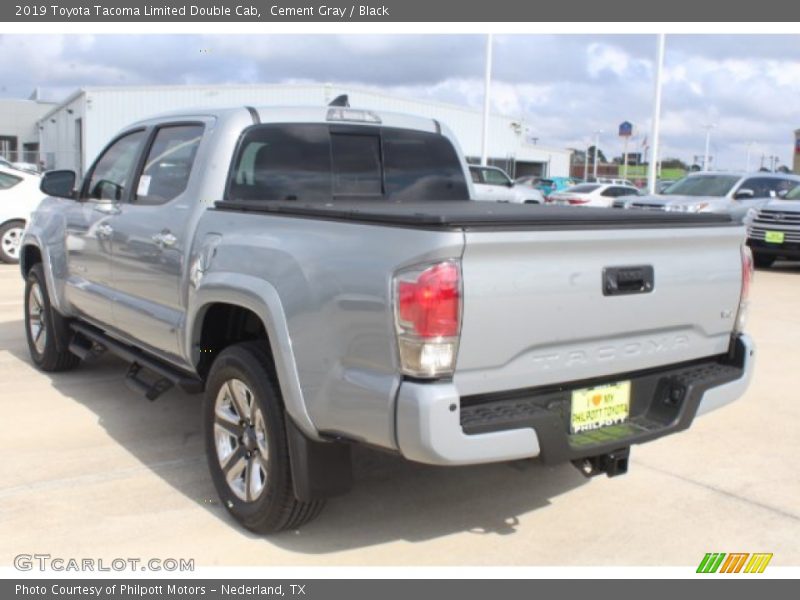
pixel 618 281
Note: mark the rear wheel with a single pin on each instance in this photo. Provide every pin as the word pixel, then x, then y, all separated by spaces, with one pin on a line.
pixel 10 239
pixel 45 330
pixel 246 442
pixel 763 261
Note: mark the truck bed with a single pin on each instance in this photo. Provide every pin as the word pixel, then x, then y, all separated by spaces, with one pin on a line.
pixel 477 215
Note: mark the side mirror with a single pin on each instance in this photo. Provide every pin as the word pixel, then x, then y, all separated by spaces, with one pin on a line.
pixel 59 183
pixel 744 193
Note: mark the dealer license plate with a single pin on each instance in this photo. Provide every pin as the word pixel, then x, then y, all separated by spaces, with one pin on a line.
pixel 774 237
pixel 600 406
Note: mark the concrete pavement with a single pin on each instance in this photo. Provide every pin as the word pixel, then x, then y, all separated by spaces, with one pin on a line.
pixel 91 469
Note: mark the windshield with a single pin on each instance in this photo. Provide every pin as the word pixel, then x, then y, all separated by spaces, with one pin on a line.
pixel 702 185
pixel 794 194
pixel 318 162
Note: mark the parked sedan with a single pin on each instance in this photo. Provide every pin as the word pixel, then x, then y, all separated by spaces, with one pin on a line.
pixel 556 184
pixel 728 193
pixel 19 196
pixel 494 185
pixel 592 194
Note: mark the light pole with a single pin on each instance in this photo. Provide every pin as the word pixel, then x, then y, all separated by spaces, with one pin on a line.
pixel 652 173
pixel 487 85
pixel 586 165
pixel 709 127
pixel 747 168
pixel 596 142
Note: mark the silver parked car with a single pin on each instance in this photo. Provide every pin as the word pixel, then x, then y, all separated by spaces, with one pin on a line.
pixel 726 193
pixel 774 231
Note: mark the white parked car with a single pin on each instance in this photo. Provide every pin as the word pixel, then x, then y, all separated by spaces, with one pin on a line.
pixel 494 185
pixel 615 181
pixel 19 196
pixel 592 194
pixel 19 166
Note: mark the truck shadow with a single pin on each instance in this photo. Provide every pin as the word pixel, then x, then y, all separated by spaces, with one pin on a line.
pixel 782 266
pixel 392 499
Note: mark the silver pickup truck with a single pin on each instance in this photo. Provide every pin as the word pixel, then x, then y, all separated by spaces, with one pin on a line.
pixel 323 277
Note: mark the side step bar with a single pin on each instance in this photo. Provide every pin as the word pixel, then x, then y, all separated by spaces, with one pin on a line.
pixel 85 343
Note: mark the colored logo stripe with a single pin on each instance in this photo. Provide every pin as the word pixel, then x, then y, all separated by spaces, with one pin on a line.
pixel 716 561
pixel 734 562
pixel 711 562
pixel 758 563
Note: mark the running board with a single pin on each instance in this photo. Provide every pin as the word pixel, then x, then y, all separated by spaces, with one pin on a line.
pixel 87 338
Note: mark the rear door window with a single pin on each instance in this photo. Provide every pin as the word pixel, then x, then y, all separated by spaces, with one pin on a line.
pixel 169 164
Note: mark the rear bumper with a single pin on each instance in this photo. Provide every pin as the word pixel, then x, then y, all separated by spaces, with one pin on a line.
pixel 436 426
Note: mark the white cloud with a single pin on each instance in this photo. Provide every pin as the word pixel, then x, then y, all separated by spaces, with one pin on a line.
pixel 565 86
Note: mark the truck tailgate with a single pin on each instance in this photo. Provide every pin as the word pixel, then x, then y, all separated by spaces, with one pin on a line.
pixel 535 312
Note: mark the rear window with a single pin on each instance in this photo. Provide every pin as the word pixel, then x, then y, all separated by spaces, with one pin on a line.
pixel 317 162
pixel 8 181
pixel 584 189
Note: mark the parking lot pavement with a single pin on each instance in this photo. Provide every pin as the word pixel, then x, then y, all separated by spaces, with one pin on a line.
pixel 91 469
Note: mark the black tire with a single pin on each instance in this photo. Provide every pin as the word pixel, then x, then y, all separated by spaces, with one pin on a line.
pixel 276 508
pixel 10 238
pixel 51 354
pixel 763 261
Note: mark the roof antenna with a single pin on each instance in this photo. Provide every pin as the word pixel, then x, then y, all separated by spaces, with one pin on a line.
pixel 342 100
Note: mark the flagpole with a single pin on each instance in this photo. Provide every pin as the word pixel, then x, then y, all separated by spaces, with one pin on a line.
pixel 625 159
pixel 652 173
pixel 487 85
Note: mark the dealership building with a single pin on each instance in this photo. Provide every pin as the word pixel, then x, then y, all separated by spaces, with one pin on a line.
pixel 19 135
pixel 72 133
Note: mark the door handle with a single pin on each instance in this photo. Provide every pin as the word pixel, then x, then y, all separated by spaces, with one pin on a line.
pixel 165 239
pixel 104 230
pixel 107 208
pixel 628 280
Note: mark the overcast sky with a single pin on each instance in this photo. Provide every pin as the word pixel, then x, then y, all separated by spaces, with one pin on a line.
pixel 565 86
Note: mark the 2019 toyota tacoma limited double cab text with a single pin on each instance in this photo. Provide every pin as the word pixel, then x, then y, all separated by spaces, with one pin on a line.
pixel 323 278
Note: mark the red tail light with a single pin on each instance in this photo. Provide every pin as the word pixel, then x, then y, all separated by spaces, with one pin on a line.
pixel 428 318
pixel 430 305
pixel 578 201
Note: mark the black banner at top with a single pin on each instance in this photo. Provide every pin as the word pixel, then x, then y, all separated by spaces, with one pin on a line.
pixel 333 11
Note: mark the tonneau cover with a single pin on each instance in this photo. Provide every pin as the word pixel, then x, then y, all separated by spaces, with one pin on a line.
pixel 478 215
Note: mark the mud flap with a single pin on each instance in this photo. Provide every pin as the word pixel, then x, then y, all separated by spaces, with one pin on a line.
pixel 319 469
